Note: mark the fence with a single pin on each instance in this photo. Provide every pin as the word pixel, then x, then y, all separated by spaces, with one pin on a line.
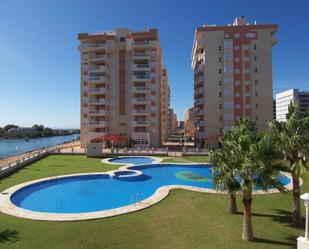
pixel 22 160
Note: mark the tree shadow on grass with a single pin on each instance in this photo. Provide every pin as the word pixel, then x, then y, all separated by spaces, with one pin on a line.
pixel 8 235
pixel 281 216
pixel 290 241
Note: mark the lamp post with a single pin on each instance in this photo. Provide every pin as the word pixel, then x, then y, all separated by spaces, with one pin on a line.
pixel 305 197
pixel 148 139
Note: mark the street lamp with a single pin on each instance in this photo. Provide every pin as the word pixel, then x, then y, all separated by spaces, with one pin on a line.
pixel 148 140
pixel 305 197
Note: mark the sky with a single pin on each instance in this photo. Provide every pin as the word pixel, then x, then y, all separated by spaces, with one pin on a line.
pixel 39 59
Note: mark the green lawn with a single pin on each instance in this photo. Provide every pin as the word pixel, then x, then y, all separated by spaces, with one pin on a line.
pixel 185 219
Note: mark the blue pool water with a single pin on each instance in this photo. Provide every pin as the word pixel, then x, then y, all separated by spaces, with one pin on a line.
pixel 133 160
pixel 89 193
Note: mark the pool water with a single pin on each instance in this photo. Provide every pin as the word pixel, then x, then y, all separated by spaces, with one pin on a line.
pixel 133 160
pixel 90 193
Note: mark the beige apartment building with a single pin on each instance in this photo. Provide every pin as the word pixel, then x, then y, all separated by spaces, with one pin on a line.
pixel 122 83
pixel 189 122
pixel 232 76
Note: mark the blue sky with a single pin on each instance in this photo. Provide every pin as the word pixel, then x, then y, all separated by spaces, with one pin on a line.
pixel 39 60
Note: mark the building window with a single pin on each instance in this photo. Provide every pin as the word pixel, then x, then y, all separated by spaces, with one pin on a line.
pixel 250 35
pixel 220 106
pixel 220 48
pixel 220 118
pixel 256 106
pixel 256 118
pixel 255 58
pixel 256 94
pixel 220 94
pixel 237 59
pixel 122 39
pixel 220 82
pixel 256 70
pixel 236 36
pixel 220 130
pixel 220 59
pixel 220 71
pixel 256 82
pixel 237 82
pixel 236 47
pixel 254 47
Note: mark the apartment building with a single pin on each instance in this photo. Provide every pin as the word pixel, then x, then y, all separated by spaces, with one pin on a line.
pixel 165 105
pixel 283 100
pixel 189 122
pixel 121 81
pixel 232 76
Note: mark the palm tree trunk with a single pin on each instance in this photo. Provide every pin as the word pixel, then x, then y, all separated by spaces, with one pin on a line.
pixel 247 232
pixel 296 200
pixel 232 204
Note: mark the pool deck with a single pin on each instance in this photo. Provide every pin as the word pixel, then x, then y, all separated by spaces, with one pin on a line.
pixel 6 206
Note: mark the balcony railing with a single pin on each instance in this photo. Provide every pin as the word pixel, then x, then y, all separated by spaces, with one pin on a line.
pixel 92 46
pixel 97 122
pixel 96 78
pixel 97 101
pixel 97 112
pixel 97 57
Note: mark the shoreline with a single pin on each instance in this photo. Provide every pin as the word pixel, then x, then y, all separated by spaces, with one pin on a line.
pixel 5 160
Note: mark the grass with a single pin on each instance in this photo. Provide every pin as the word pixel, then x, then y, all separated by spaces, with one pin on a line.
pixel 185 219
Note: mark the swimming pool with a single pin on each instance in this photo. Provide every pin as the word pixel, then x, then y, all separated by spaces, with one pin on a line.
pixel 133 160
pixel 97 195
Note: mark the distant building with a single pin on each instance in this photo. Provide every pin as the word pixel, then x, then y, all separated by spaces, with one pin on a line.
pixel 181 125
pixel 274 109
pixel 189 122
pixel 170 120
pixel 23 131
pixel 175 122
pixel 232 76
pixel 284 99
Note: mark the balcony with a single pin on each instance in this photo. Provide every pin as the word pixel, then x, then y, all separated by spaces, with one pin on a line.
pixel 97 123
pixel 97 112
pixel 141 112
pixel 140 56
pixel 144 43
pixel 140 89
pixel 140 78
pixel 140 100
pixel 97 58
pixel 140 123
pixel 97 90
pixel 140 67
pixel 92 47
pixel 96 69
pixel 97 101
pixel 96 79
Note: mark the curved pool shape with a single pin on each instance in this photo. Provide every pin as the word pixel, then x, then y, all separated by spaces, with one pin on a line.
pixel 135 160
pixel 97 192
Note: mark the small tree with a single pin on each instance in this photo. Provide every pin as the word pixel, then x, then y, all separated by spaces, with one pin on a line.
pixel 292 139
pixel 252 160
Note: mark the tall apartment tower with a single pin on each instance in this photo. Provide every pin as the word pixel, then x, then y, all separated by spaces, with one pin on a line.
pixel 232 76
pixel 283 100
pixel 121 81
pixel 165 105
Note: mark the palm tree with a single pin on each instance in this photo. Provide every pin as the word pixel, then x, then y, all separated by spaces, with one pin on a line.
pixel 254 163
pixel 292 138
pixel 224 176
